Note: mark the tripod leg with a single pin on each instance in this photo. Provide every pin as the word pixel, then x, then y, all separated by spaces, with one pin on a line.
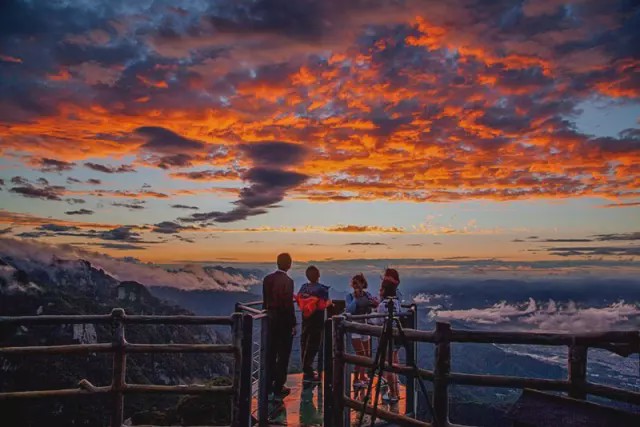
pixel 372 374
pixel 384 344
pixel 404 341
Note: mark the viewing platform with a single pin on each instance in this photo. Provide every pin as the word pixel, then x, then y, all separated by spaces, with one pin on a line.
pixel 333 402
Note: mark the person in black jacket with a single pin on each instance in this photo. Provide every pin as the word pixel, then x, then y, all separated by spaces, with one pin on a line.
pixel 277 294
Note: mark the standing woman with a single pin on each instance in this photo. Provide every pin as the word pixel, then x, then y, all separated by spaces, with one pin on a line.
pixel 358 302
pixel 388 290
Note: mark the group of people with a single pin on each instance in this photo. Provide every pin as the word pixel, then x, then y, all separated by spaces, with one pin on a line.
pixel 313 298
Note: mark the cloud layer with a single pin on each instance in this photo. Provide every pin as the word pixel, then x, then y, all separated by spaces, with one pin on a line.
pixel 326 100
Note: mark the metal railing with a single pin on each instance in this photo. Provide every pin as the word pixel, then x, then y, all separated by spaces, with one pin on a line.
pixel 576 385
pixel 260 369
pixel 240 348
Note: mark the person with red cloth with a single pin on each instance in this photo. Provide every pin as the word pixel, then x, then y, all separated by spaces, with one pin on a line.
pixel 312 299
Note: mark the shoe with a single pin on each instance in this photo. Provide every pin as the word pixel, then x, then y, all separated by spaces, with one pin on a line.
pixel 312 377
pixel 394 399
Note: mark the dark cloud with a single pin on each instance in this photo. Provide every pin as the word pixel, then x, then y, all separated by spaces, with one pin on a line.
pixel 135 205
pixel 80 212
pixel 109 169
pixel 121 246
pixel 179 206
pixel 275 153
pixel 167 227
pixel 71 180
pixel 120 233
pixel 74 201
pixel 176 160
pixel 268 187
pixel 206 175
pixel 57 228
pixel 32 234
pixel 162 140
pixel 618 236
pixel 94 181
pixel 595 251
pixel 621 205
pixel 5 230
pixel 53 165
pixel 39 190
pixel 365 244
pixel 19 180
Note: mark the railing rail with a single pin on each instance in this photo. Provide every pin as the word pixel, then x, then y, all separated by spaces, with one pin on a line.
pixel 576 384
pixel 241 325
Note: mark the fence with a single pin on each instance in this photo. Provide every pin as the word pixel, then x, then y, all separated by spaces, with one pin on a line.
pixel 240 347
pixel 576 385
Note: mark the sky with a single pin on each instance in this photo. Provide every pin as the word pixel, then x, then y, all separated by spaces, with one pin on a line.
pixel 193 130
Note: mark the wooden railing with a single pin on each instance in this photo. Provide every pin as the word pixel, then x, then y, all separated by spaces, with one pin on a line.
pixel 240 348
pixel 576 385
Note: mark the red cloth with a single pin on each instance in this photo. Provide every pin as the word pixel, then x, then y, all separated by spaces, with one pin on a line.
pixel 309 304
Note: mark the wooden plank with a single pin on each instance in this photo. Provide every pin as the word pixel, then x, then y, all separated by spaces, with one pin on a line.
pixel 175 389
pixel 507 382
pixel 402 420
pixel 367 362
pixel 53 393
pixel 613 393
pixel 509 337
pixel 442 367
pixel 338 372
pixel 55 319
pixel 179 348
pixel 376 331
pixel 179 320
pixel 577 369
pixel 58 349
pixel 118 379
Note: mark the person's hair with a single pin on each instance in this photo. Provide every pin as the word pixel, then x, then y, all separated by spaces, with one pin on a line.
pixel 361 279
pixel 388 289
pixel 284 261
pixel 391 276
pixel 312 273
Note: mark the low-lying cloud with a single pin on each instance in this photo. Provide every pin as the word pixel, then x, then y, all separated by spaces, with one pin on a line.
pixel 550 316
pixel 188 276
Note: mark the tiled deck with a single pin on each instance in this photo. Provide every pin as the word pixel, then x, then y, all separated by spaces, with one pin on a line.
pixel 304 406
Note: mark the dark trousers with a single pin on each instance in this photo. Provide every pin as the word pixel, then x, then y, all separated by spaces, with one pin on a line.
pixel 310 339
pixel 278 349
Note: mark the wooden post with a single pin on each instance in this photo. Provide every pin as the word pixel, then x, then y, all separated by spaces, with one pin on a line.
pixel 328 373
pixel 577 371
pixel 236 337
pixel 412 351
pixel 441 370
pixel 246 357
pixel 321 358
pixel 338 372
pixel 118 379
pixel 265 372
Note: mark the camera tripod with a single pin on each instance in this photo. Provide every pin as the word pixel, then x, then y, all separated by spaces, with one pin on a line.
pixel 384 356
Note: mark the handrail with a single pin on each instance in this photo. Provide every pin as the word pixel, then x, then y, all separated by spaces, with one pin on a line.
pixel 119 347
pixel 622 342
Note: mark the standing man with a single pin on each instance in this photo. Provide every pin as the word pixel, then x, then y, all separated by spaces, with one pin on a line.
pixel 277 294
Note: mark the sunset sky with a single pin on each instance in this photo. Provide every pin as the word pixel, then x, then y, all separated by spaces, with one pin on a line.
pixel 231 130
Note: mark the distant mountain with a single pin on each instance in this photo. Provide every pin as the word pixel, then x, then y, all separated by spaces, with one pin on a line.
pixel 29 287
pixel 203 302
